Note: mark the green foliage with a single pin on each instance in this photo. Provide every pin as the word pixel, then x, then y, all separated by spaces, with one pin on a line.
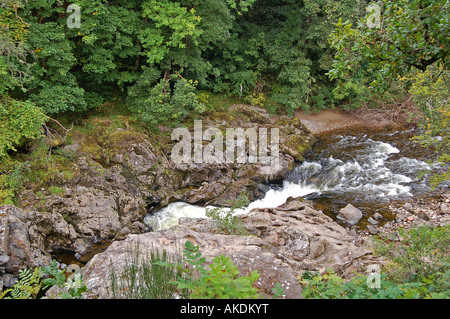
pixel 32 283
pixel 27 287
pixel 221 281
pixel 145 277
pixel 225 220
pixel 174 26
pixel 56 190
pixel 11 181
pixel 410 47
pixel 72 288
pixel 431 93
pixel 413 34
pixel 156 104
pixel 325 286
pixel 424 252
pixel 18 121
pixel 331 286
pixel 419 269
pixel 38 168
pixel 269 50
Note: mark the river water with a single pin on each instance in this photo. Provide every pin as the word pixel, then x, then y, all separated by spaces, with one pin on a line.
pixel 368 169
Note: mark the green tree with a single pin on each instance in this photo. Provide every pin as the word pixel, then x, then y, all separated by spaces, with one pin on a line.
pixel 18 120
pixel 409 46
pixel 411 34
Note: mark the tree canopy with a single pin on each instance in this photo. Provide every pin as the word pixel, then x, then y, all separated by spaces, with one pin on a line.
pixel 157 54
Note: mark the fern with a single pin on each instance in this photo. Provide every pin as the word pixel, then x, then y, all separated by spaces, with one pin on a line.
pixel 27 287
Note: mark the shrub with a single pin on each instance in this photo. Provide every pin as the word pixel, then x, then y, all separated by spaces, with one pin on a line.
pixel 32 284
pixel 221 281
pixel 144 277
pixel 11 181
pixel 419 270
pixel 225 220
pixel 71 288
pixel 18 121
pixel 424 252
pixel 157 103
pixel 331 286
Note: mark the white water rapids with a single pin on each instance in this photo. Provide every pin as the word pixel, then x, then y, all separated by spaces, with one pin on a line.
pixel 367 169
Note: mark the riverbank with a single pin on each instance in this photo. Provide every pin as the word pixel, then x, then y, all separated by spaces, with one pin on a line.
pixel 329 120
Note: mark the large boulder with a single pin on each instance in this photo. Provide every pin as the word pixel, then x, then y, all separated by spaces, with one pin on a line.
pixel 350 214
pixel 22 241
pixel 307 238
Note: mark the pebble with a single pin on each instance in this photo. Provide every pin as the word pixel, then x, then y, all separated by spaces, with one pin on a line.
pixel 377 216
pixel 407 206
pixel 372 229
pixel 445 208
pixel 372 221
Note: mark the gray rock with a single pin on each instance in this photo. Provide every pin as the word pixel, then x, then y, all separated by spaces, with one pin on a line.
pixel 350 214
pixel 445 208
pixel 372 229
pixel 8 280
pixel 372 221
pixel 377 216
pixel 407 206
pixel 4 259
pixel 22 241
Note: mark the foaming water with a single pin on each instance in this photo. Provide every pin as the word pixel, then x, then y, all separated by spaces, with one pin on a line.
pixel 365 173
pixel 168 216
pixel 358 169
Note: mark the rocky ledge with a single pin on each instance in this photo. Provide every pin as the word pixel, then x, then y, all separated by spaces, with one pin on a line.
pixel 282 243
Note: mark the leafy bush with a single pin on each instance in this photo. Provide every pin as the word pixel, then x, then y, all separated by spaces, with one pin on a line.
pixel 420 270
pixel 11 181
pixel 144 278
pixel 32 284
pixel 424 252
pixel 158 103
pixel 220 281
pixel 431 92
pixel 331 286
pixel 18 121
pixel 71 288
pixel 225 220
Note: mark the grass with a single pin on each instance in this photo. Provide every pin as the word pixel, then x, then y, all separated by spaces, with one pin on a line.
pixel 143 277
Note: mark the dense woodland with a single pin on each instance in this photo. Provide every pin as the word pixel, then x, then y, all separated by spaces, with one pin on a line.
pixel 162 61
pixel 159 56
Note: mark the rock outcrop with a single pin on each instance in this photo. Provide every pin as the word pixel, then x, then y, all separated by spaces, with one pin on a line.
pixel 282 243
pixel 117 175
pixel 22 240
pixel 114 175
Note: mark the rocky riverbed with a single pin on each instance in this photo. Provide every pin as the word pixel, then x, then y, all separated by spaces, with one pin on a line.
pixel 120 175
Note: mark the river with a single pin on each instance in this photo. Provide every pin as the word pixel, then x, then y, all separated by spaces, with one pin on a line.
pixel 369 169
